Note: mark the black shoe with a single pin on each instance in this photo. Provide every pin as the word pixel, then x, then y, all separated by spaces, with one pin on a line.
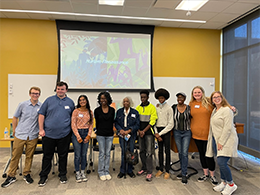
pixel 43 181
pixel 28 179
pixel 179 176
pixel 213 180
pixel 184 179
pixel 203 178
pixel 63 179
pixel 8 182
pixel 120 175
pixel 132 175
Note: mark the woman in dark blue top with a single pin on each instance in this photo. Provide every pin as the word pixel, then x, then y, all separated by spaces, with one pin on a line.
pixel 127 122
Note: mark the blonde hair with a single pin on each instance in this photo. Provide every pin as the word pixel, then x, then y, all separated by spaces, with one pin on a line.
pixel 130 101
pixel 35 88
pixel 204 100
pixel 224 102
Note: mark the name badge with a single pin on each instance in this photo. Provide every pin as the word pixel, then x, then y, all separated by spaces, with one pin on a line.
pixel 133 115
pixel 81 115
pixel 197 106
pixel 67 107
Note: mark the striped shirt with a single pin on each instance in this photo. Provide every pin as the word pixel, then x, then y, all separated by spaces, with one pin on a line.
pixel 176 117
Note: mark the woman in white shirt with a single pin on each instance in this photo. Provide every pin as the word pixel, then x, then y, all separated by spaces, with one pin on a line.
pixel 222 129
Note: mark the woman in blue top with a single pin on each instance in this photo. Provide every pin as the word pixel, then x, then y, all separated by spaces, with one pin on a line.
pixel 127 122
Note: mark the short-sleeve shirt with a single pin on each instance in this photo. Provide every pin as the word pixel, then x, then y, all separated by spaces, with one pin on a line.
pixel 27 113
pixel 57 113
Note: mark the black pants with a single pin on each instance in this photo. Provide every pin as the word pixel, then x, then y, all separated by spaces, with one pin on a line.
pixel 166 142
pixel 206 162
pixel 48 146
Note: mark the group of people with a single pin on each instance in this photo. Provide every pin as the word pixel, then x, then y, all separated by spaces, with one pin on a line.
pixel 209 121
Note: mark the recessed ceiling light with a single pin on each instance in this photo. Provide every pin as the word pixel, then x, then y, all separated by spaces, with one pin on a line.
pixel 111 2
pixel 191 5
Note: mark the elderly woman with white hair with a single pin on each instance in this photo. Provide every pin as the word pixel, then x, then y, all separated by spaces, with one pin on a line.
pixel 127 122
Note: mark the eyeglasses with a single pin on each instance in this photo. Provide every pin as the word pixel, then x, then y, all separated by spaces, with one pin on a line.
pixel 35 93
pixel 216 97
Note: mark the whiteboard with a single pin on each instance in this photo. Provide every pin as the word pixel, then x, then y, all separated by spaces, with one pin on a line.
pixel 19 85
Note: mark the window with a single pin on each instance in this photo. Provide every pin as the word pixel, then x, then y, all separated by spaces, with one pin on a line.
pixel 241 75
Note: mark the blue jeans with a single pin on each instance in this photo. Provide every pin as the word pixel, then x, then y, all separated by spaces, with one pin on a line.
pixel 124 144
pixel 225 173
pixel 80 150
pixel 104 145
pixel 182 139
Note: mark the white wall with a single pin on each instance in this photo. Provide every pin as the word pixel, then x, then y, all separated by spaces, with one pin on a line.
pixel 19 85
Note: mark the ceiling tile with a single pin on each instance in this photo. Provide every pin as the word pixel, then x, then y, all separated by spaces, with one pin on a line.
pixel 150 22
pixel 134 11
pixel 249 1
pixel 58 6
pixel 171 24
pixel 85 1
pixel 240 8
pixel 211 25
pixel 63 17
pixel 9 5
pixel 178 14
pixel 166 4
pixel 215 6
pixel 158 13
pixel 17 15
pixel 189 25
pixel 110 10
pixel 2 15
pixel 85 8
pixel 131 21
pixel 139 3
pixel 40 16
pixel 109 20
pixel 226 0
pixel 201 15
pixel 32 5
pixel 222 17
pixel 88 19
pixel 217 13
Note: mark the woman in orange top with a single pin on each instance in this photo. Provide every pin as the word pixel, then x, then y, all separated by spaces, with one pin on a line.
pixel 201 109
pixel 82 125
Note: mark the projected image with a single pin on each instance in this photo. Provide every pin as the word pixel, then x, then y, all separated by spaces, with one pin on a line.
pixel 105 60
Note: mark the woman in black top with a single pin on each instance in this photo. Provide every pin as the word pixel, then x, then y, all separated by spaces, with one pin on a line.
pixel 104 115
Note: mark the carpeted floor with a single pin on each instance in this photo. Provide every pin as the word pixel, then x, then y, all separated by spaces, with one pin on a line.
pixel 247 179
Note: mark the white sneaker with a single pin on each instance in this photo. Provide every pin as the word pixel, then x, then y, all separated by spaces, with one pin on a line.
pixel 78 177
pixel 229 190
pixel 83 176
pixel 220 187
pixel 103 178
pixel 108 177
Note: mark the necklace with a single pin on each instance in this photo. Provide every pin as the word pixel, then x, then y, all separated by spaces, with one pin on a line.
pixel 181 109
